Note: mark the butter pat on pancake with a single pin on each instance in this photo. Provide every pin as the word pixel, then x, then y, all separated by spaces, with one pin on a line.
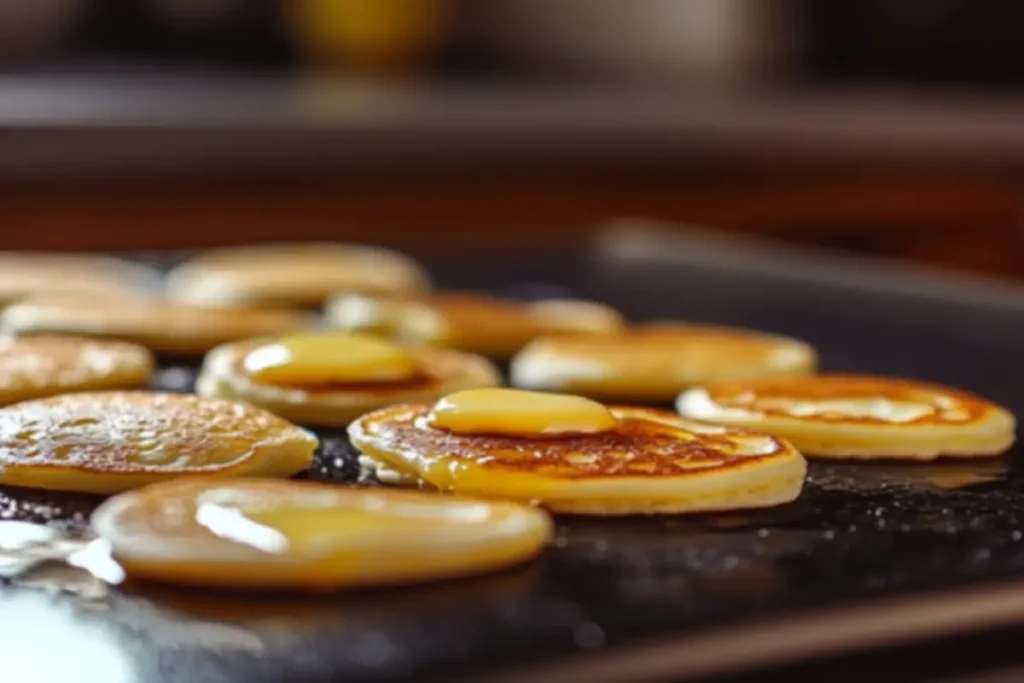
pixel 348 376
pixel 326 358
pixel 29 273
pixel 519 413
pixel 654 366
pixel 859 416
pixel 161 326
pixel 651 462
pixel 468 321
pixel 106 442
pixel 303 274
pixel 278 535
pixel 44 365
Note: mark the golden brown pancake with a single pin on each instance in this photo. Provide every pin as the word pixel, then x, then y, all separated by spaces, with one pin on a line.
pixel 274 535
pixel 164 327
pixel 106 442
pixel 335 404
pixel 44 365
pixel 654 364
pixel 467 321
pixel 652 462
pixel 28 273
pixel 859 416
pixel 303 274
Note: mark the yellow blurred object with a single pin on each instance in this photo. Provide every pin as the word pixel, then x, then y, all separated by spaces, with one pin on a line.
pixel 369 35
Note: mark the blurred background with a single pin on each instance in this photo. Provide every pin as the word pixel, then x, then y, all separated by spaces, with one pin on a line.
pixel 881 126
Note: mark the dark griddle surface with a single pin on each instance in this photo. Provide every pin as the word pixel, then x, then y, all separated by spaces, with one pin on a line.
pixel 858 531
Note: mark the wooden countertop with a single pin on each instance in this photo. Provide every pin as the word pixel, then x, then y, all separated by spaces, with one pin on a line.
pixel 967 221
pixel 153 163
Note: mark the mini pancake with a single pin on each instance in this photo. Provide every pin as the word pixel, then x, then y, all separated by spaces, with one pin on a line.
pixel 301 275
pixel 28 273
pixel 653 365
pixel 332 392
pixel 166 328
pixel 859 416
pixel 648 462
pixel 277 535
pixel 44 365
pixel 106 442
pixel 477 323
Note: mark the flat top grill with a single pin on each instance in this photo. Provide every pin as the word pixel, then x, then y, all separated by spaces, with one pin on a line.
pixel 861 561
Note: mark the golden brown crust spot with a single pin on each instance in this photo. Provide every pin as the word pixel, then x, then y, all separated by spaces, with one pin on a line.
pixel 294 273
pixel 29 273
pixel 39 366
pixel 672 341
pixel 159 325
pixel 470 317
pixel 471 321
pixel 136 432
pixel 646 443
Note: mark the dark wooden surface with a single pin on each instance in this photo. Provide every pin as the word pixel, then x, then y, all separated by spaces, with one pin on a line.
pixel 967 221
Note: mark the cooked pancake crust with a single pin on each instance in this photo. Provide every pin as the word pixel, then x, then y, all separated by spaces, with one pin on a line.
pixel 654 364
pixel 859 416
pixel 293 274
pixel 161 326
pixel 47 364
pixel 105 442
pixel 155 533
pixel 444 371
pixel 29 273
pixel 472 322
pixel 653 462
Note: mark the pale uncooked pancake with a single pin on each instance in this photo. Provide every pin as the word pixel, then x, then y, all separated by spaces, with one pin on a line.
pixel 303 274
pixel 44 365
pixel 477 323
pixel 162 326
pixel 859 416
pixel 654 364
pixel 106 442
pixel 276 535
pixel 28 273
pixel 335 404
pixel 653 462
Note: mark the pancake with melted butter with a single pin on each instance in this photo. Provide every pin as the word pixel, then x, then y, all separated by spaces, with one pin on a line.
pixel 477 323
pixel 29 273
pixel 162 326
pixel 44 365
pixel 859 416
pixel 652 462
pixel 275 535
pixel 105 442
pixel 337 403
pixel 653 364
pixel 299 275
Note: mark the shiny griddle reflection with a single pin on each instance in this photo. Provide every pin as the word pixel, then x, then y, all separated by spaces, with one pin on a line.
pixel 859 530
